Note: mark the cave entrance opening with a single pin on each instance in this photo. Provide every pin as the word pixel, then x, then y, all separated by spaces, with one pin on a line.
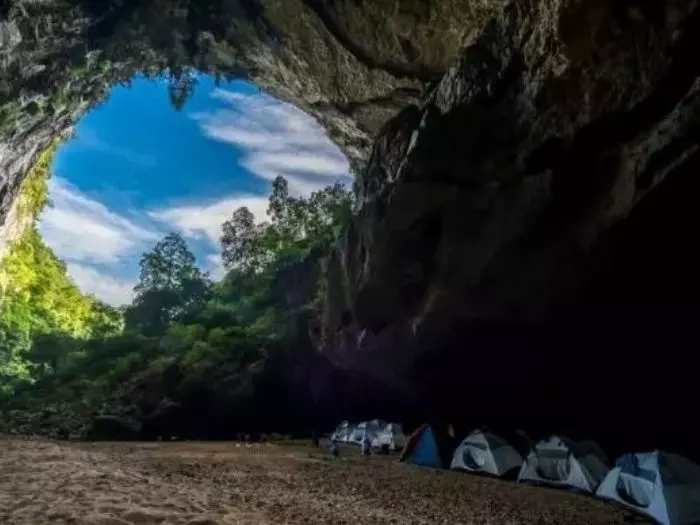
pixel 163 155
pixel 150 263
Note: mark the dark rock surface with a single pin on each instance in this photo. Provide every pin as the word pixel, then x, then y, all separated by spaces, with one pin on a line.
pixel 522 241
pixel 523 238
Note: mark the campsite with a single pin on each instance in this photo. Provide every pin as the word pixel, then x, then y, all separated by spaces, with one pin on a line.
pixel 182 483
pixel 658 486
pixel 365 472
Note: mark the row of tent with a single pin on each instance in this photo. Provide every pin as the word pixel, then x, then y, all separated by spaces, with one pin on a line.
pixel 662 486
pixel 381 434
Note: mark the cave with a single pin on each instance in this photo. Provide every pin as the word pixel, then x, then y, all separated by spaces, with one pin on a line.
pixel 523 228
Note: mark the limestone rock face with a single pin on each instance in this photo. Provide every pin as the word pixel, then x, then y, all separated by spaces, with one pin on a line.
pixel 492 209
pixel 537 140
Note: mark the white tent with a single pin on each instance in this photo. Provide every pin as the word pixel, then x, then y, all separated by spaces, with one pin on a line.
pixel 561 462
pixel 343 433
pixel 357 434
pixel 487 453
pixel 663 486
pixel 390 436
pixel 370 428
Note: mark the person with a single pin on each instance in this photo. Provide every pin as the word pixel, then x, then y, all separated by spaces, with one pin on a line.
pixel 333 447
pixel 314 438
pixel 366 445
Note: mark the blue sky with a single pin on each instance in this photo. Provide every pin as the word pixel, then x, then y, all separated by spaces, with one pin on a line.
pixel 136 169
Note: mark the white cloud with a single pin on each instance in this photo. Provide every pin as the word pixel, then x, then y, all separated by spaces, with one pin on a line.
pixel 277 139
pixel 110 289
pixel 94 241
pixel 205 220
pixel 99 244
pixel 80 228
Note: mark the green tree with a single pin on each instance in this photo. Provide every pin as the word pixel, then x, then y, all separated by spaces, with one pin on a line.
pixel 240 243
pixel 170 284
pixel 107 321
pixel 297 225
pixel 44 318
pixel 64 356
pixel 50 351
pixel 168 266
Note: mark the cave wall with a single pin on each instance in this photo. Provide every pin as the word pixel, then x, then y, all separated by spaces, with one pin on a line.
pixel 521 241
pixel 523 230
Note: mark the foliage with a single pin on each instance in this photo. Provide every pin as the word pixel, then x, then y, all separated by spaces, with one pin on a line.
pixel 33 195
pixel 297 225
pixel 170 284
pixel 41 310
pixel 39 299
pixel 181 334
pixel 170 265
pixel 39 295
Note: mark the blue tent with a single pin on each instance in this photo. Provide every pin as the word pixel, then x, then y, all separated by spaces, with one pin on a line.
pixel 422 449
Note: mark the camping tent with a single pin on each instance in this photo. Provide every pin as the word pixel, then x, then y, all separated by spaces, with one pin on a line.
pixel 343 432
pixel 485 452
pixel 371 428
pixel 358 434
pixel 561 462
pixel 662 486
pixel 390 436
pixel 428 448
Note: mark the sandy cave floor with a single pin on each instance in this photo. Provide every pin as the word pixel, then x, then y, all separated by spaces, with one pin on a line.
pixel 179 483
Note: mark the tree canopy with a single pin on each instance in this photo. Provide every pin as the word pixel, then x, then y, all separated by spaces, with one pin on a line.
pixel 296 225
pixel 66 357
pixel 170 284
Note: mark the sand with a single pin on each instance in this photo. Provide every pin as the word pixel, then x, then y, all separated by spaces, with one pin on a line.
pixel 177 483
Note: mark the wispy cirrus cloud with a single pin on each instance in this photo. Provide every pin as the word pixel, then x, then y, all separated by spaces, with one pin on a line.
pixel 205 219
pixel 80 228
pixel 277 139
pixel 99 245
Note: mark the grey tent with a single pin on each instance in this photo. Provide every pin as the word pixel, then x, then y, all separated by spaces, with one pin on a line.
pixel 485 452
pixel 561 462
pixel 343 432
pixel 662 486
pixel 357 434
pixel 369 428
pixel 390 436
